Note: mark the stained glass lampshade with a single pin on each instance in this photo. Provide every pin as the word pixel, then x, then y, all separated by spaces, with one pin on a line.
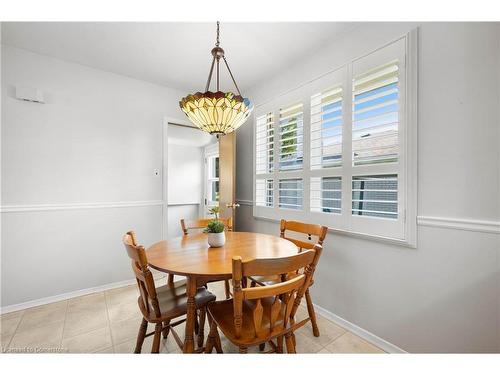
pixel 217 112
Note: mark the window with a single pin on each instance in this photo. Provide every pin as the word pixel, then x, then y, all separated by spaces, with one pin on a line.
pixel 290 193
pixel 375 196
pixel 326 129
pixel 326 150
pixel 291 137
pixel 326 194
pixel 346 148
pixel 212 189
pixel 264 143
pixel 264 193
pixel 375 115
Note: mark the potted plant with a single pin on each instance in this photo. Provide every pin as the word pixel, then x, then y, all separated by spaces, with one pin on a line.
pixel 216 234
pixel 215 229
pixel 214 211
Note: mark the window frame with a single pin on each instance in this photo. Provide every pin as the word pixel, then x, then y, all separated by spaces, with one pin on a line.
pixel 401 231
pixel 211 178
pixel 269 152
pixel 265 202
pixel 211 153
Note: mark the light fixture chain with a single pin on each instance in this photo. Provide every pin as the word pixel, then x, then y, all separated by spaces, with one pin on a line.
pixel 217 43
pixel 218 73
pixel 210 75
pixel 217 113
pixel 231 74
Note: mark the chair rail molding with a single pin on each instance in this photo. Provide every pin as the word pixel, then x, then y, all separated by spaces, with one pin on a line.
pixel 244 202
pixel 77 206
pixel 472 225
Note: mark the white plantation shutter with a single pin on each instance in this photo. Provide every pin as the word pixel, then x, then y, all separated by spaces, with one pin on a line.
pixel 264 144
pixel 375 115
pixel 291 193
pixel 375 196
pixel 340 150
pixel 326 194
pixel 291 144
pixel 378 148
pixel 326 129
pixel 264 191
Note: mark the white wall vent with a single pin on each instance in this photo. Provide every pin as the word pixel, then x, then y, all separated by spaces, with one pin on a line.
pixel 29 94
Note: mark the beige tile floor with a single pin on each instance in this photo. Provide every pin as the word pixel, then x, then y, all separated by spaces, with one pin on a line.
pixel 108 322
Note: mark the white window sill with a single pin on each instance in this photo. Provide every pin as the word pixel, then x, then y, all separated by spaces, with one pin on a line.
pixel 363 236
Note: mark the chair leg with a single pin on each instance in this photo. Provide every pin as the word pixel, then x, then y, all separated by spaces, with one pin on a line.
pixel 312 314
pixel 196 325
pixel 166 329
pixel 141 335
pixel 262 346
pixel 157 338
pixel 209 345
pixel 279 348
pixel 243 350
pixel 211 336
pixel 218 344
pixel 201 331
pixel 290 346
pixel 226 287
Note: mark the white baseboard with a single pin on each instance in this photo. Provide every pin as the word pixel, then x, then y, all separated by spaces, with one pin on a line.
pixel 64 296
pixel 361 332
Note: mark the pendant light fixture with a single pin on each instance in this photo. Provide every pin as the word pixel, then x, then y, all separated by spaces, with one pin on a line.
pixel 217 112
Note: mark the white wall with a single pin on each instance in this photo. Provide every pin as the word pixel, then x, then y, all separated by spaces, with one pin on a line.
pixel 178 212
pixel 96 141
pixel 185 182
pixel 185 171
pixel 444 295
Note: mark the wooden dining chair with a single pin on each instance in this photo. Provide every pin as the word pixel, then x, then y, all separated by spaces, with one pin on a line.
pixel 299 230
pixel 161 305
pixel 259 315
pixel 188 225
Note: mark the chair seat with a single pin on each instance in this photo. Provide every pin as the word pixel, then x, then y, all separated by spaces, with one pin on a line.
pixel 266 280
pixel 172 299
pixel 223 314
pixel 274 279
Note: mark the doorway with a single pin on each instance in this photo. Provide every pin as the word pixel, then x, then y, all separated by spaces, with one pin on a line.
pixel 184 180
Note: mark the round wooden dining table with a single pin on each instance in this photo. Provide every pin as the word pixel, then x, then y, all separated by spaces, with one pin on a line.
pixel 191 256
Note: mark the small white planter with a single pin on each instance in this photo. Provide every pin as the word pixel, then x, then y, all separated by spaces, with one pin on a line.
pixel 216 239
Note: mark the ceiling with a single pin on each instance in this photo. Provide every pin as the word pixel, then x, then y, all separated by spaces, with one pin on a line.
pixel 175 54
